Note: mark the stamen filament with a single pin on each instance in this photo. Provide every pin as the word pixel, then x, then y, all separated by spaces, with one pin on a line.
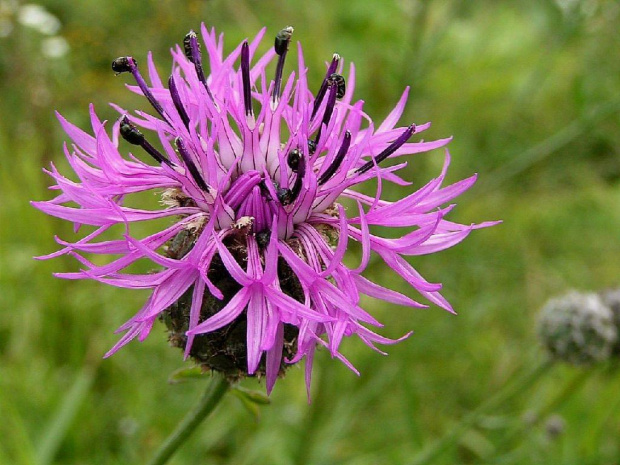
pixel 393 147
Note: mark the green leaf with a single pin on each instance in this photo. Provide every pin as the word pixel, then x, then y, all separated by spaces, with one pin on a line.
pixel 183 375
pixel 17 447
pixel 65 414
pixel 251 400
pixel 256 397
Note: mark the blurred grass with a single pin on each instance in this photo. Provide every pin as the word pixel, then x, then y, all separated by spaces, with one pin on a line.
pixel 530 91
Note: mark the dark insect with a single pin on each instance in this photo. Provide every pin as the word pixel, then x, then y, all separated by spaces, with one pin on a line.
pixel 131 133
pixel 121 65
pixel 311 146
pixel 293 159
pixel 338 79
pixel 262 238
pixel 187 45
pixel 282 40
pixel 285 196
pixel 264 190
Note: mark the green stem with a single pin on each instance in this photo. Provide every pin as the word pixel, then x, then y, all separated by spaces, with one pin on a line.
pixel 428 455
pixel 557 401
pixel 209 400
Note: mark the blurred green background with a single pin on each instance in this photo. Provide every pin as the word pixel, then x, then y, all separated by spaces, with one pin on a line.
pixel 531 92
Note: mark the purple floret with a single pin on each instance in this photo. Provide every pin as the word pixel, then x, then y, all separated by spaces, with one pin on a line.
pixel 254 171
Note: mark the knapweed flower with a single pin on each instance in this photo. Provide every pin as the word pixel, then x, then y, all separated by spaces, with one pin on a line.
pixel 577 328
pixel 251 172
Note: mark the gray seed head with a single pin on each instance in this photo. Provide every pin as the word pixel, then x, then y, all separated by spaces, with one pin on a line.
pixel 578 328
pixel 611 298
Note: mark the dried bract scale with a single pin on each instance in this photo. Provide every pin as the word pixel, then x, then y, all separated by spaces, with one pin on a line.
pixel 253 174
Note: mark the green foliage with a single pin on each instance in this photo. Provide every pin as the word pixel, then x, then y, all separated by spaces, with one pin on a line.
pixel 529 89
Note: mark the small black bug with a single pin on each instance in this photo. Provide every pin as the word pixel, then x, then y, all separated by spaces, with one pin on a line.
pixel 131 133
pixel 187 45
pixel 311 146
pixel 262 238
pixel 338 79
pixel 121 65
pixel 285 196
pixel 282 40
pixel 293 159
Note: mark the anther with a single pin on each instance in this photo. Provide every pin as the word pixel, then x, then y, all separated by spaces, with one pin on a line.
pixel 282 40
pixel 390 149
pixel 323 89
pixel 176 99
pixel 329 109
pixel 191 47
pixel 245 77
pixel 132 135
pixel 335 164
pixel 187 45
pixel 191 166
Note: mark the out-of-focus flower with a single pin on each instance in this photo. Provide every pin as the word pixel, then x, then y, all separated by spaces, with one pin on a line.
pixel 38 18
pixel 577 328
pixel 54 47
pixel 34 17
pixel 253 172
pixel 555 426
pixel 611 298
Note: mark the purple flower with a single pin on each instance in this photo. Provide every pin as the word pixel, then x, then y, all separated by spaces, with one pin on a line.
pixel 252 172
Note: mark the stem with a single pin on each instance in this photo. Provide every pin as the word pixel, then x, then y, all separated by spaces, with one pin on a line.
pixel 209 400
pixel 566 393
pixel 428 455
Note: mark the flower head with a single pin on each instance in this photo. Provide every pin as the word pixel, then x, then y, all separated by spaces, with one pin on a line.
pixel 252 172
pixel 577 328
